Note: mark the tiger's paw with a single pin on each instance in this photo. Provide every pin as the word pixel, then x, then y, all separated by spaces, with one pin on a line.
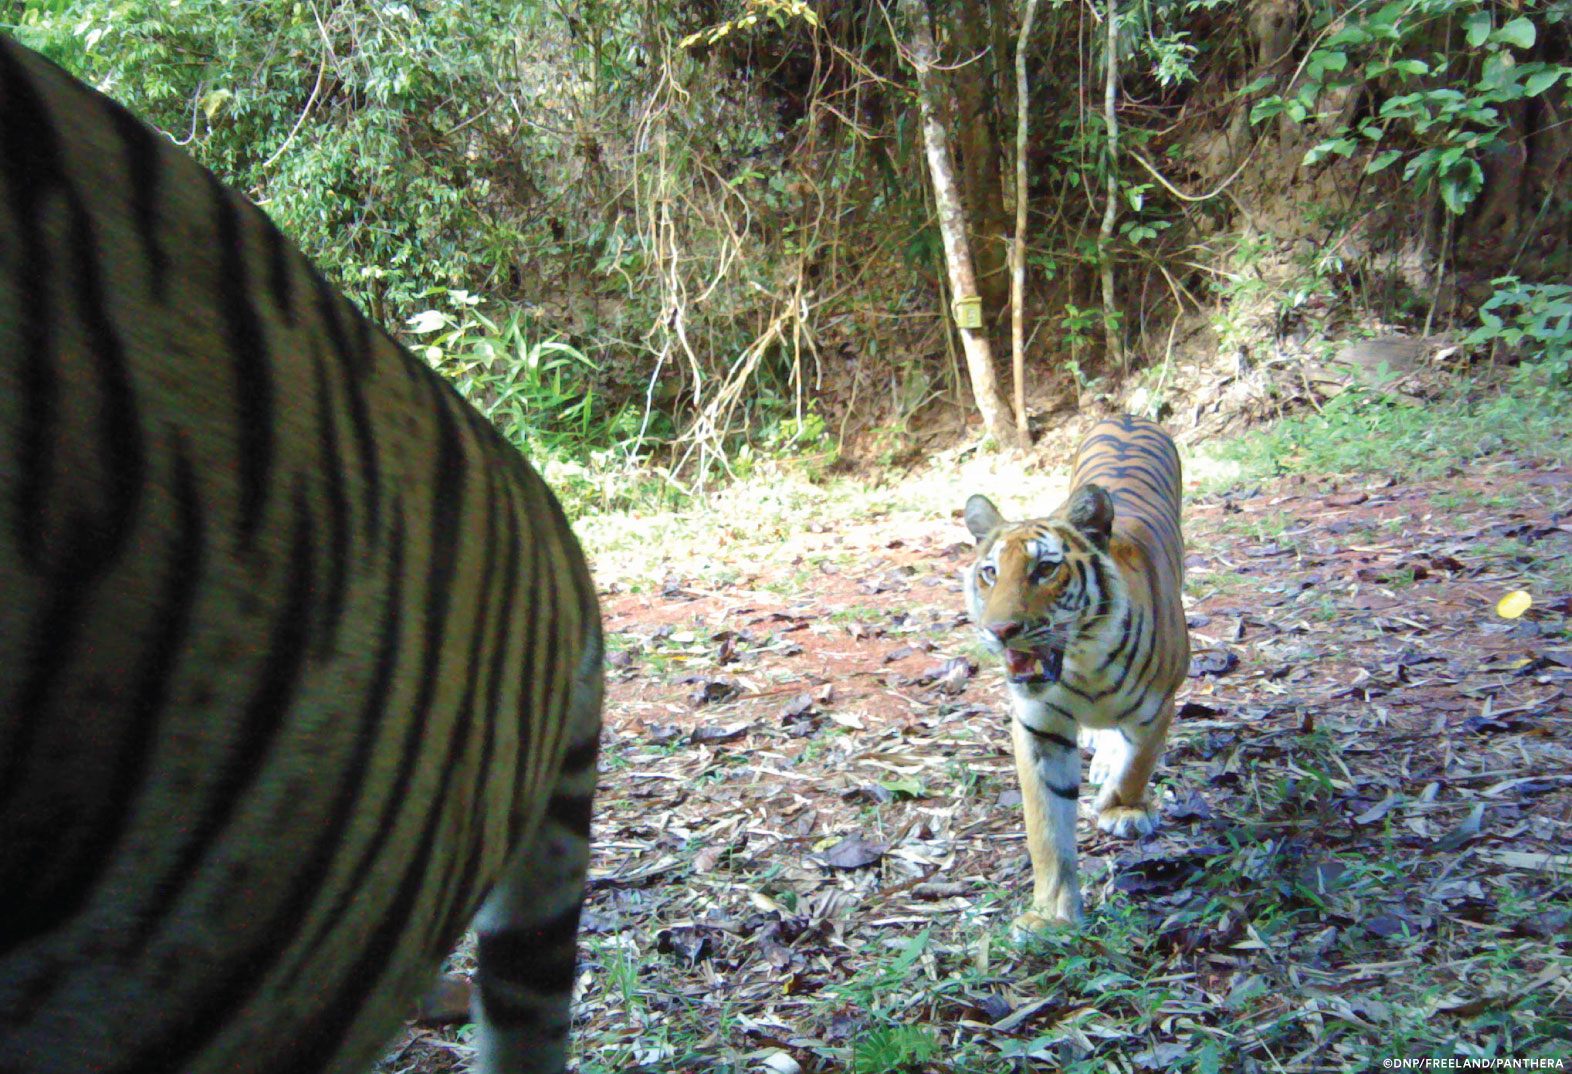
pixel 1033 924
pixel 1128 822
pixel 1110 755
pixel 1052 911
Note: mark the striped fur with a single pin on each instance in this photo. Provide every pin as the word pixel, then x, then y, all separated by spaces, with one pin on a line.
pixel 298 659
pixel 1084 609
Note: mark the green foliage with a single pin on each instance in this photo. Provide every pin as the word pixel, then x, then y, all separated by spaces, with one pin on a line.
pixel 539 392
pixel 1080 327
pixel 1373 431
pixel 542 394
pixel 362 130
pixel 1440 105
pixel 1534 320
pixel 804 443
pixel 777 12
pixel 893 1049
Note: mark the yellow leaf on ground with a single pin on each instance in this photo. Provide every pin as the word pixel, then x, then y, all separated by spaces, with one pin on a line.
pixel 1513 604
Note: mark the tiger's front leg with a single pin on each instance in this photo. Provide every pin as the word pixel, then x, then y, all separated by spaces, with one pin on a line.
pixel 1124 762
pixel 528 926
pixel 1048 762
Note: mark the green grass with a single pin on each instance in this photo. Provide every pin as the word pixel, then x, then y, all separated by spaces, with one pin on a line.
pixel 1472 500
pixel 1370 431
pixel 858 613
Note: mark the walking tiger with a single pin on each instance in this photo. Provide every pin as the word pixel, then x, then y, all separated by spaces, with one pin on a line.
pixel 1083 607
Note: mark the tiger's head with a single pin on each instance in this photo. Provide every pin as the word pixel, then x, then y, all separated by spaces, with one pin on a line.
pixel 1038 587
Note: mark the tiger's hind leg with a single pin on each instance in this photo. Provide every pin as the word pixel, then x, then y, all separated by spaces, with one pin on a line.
pixel 1124 806
pixel 528 925
pixel 1048 762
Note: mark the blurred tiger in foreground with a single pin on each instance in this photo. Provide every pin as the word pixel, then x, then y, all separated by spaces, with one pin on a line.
pixel 1084 608
pixel 299 660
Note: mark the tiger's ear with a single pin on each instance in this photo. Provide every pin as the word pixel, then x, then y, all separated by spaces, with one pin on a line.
pixel 1091 511
pixel 982 517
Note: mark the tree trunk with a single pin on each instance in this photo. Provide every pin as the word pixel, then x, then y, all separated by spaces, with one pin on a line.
pixel 975 76
pixel 1111 326
pixel 1018 241
pixel 952 227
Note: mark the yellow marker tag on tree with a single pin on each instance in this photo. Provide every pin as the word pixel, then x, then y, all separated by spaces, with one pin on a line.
pixel 1514 604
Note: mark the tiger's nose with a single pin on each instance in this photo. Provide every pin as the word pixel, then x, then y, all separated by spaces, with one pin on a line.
pixel 1003 631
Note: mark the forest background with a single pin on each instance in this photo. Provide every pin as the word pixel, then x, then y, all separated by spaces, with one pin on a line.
pixel 669 244
pixel 659 241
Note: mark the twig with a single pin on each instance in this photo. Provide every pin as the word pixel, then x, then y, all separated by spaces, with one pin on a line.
pixel 311 101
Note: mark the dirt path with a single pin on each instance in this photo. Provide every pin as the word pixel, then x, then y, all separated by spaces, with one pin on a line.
pixel 809 829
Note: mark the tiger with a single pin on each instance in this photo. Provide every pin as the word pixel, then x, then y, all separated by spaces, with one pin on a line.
pixel 300 662
pixel 1083 608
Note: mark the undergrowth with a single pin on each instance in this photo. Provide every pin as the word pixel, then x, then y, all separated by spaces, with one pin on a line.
pixel 1370 430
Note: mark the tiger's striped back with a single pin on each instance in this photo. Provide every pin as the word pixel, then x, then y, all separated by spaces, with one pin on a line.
pixel 1135 462
pixel 298 658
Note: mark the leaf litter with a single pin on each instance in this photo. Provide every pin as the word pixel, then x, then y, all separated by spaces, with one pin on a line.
pixel 808 831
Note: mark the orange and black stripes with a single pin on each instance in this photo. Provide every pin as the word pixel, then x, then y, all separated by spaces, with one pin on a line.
pixel 299 660
pixel 1135 461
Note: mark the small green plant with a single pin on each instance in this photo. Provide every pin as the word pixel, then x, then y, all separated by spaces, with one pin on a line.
pixel 539 392
pixel 1533 319
pixel 1080 327
pixel 807 440
pixel 893 1049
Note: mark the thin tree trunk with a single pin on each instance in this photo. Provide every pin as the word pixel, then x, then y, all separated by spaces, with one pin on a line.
pixel 1111 209
pixel 978 148
pixel 952 228
pixel 1018 241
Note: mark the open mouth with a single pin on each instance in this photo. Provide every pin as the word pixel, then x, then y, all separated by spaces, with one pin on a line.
pixel 1034 666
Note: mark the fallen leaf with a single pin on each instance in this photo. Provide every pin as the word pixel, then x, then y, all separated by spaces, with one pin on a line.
pixel 1191 807
pixel 1387 925
pixel 1164 1056
pixel 1377 811
pixel 1321 876
pixel 797 707
pixel 1488 725
pixel 1465 831
pixel 781 1063
pixel 1161 870
pixel 1514 604
pixel 689 945
pixel 853 852
pixel 1544 926
pixel 711 691
pixel 1215 662
pixel 708 735
pixel 1021 1014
